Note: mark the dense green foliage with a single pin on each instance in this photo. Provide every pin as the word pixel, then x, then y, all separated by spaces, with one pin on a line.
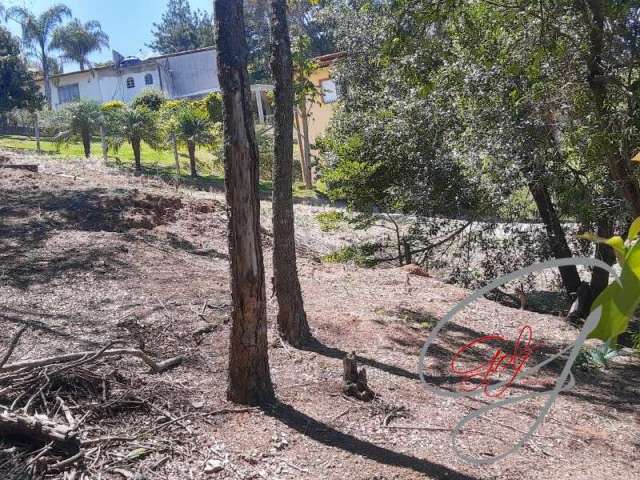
pixel 17 86
pixel 182 29
pixel 150 98
pixel 491 112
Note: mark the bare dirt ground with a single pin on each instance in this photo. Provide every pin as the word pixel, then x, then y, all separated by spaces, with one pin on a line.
pixel 89 256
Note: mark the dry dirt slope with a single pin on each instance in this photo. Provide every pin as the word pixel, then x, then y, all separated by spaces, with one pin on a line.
pixel 88 256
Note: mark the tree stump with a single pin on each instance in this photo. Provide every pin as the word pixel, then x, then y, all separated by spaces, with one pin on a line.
pixel 354 380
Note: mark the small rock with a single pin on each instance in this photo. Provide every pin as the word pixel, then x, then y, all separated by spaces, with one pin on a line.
pixel 213 466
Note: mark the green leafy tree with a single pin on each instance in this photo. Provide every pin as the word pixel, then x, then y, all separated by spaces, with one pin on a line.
pixel 182 29
pixel 150 98
pixel 76 121
pixel 37 31
pixel 17 86
pixel 77 40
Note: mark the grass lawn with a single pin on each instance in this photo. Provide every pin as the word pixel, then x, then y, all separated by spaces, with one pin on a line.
pixel 154 162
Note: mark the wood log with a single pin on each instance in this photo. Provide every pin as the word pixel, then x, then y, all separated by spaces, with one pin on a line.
pixel 38 431
pixel 354 379
pixel 29 167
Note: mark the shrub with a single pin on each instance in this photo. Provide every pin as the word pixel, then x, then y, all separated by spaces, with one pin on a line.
pixel 361 255
pixel 152 99
pixel 330 220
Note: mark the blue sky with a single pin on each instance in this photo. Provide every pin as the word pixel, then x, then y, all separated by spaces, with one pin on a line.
pixel 127 22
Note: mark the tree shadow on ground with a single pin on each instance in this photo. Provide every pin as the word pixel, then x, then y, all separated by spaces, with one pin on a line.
pixel 603 387
pixel 327 435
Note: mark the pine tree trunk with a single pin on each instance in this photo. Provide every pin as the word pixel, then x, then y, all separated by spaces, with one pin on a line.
pixel 249 377
pixel 135 146
pixel 191 148
pixel 292 320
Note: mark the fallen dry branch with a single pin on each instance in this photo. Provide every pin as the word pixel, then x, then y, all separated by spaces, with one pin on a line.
pixel 12 346
pixel 39 430
pixel 156 366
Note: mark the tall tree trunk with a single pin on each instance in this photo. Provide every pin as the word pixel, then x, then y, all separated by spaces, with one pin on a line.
pixel 249 377
pixel 45 75
pixel 191 148
pixel 292 320
pixel 555 233
pixel 308 178
pixel 135 146
pixel 86 143
pixel 619 167
pixel 303 169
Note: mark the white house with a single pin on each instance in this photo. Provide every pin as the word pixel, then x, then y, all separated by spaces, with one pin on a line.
pixel 190 74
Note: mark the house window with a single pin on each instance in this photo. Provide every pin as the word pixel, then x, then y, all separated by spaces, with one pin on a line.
pixel 131 82
pixel 148 79
pixel 328 91
pixel 69 93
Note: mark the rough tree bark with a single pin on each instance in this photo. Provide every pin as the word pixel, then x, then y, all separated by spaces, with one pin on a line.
pixel 249 377
pixel 292 320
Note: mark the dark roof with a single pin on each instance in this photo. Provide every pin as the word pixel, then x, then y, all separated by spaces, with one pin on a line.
pixel 149 59
pixel 329 58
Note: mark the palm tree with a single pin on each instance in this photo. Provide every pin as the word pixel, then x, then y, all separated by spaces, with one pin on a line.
pixel 194 128
pixel 36 33
pixel 78 40
pixel 79 120
pixel 135 125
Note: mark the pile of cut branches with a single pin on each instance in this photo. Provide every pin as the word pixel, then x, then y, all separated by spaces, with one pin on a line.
pixel 44 403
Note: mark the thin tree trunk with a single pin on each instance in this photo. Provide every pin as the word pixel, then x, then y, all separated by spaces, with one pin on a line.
pixel 135 146
pixel 45 75
pixel 308 182
pixel 555 233
pixel 303 170
pixel 249 376
pixel 37 133
pixel 176 159
pixel 292 320
pixel 86 144
pixel 103 142
pixel 191 148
